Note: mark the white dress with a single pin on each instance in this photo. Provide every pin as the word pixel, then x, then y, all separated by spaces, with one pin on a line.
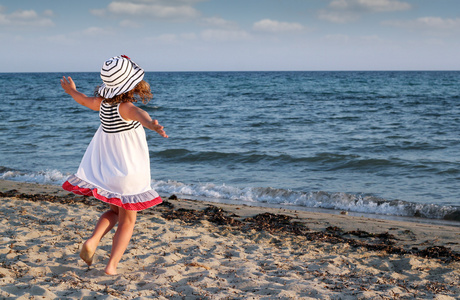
pixel 116 164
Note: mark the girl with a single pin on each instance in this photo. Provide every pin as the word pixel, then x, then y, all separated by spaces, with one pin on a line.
pixel 116 164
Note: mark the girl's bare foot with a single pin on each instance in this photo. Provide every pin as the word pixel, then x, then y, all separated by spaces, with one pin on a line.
pixel 87 253
pixel 110 270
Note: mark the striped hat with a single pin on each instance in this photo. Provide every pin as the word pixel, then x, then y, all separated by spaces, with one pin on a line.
pixel 119 75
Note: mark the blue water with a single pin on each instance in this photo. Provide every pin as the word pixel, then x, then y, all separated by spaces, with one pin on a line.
pixel 372 142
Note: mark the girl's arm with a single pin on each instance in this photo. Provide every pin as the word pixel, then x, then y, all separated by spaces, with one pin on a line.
pixel 69 87
pixel 129 111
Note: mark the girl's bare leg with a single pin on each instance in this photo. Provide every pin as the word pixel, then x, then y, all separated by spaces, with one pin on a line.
pixel 126 221
pixel 106 222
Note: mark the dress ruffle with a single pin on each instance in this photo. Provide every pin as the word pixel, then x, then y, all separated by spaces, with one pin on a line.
pixel 129 202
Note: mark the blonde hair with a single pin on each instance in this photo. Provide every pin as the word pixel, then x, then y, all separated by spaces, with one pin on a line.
pixel 140 92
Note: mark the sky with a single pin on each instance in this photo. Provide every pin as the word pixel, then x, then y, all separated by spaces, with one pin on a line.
pixel 230 35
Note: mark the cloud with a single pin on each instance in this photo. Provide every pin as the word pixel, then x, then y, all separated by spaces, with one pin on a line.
pixel 129 24
pixel 337 38
pixel 62 39
pixel 48 13
pixel 97 32
pixel 219 22
pixel 26 18
pixel 168 2
pixel 167 38
pixel 427 24
pixel 273 26
pixel 150 9
pixel 98 12
pixel 343 39
pixel 369 5
pixel 172 39
pixel 73 38
pixel 338 17
pixel 345 11
pixel 223 35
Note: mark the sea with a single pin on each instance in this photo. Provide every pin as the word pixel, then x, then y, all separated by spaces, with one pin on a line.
pixel 379 144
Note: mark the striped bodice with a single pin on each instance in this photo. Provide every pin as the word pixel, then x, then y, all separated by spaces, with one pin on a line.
pixel 111 120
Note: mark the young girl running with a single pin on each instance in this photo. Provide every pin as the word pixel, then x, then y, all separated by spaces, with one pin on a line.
pixel 116 164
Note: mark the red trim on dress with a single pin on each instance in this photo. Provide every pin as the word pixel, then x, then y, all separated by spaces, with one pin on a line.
pixel 115 201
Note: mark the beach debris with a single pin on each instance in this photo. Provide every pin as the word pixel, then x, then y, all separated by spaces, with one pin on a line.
pixel 67 199
pixel 334 230
pixel 167 204
pixel 282 224
pixel 277 223
pixel 221 217
pixel 438 252
pixel 186 215
pixel 364 234
pixel 211 213
pixel 273 223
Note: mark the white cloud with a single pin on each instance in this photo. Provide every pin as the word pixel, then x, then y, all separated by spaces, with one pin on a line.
pixel 223 35
pixel 167 2
pixel 173 39
pixel 129 24
pixel 219 22
pixel 345 11
pixel 361 41
pixel 369 5
pixel 62 39
pixel 26 18
pixel 338 17
pixel 167 38
pixel 150 9
pixel 273 26
pixel 98 12
pixel 188 36
pixel 343 38
pixel 48 13
pixel 337 38
pixel 372 39
pixel 97 31
pixel 427 23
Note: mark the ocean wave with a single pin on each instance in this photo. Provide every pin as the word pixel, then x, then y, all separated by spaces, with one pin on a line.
pixel 185 155
pixel 43 177
pixel 329 161
pixel 316 199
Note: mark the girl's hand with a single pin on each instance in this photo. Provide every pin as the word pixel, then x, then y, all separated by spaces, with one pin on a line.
pixel 68 85
pixel 158 128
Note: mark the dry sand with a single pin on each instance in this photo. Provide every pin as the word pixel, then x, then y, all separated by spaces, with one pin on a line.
pixel 181 252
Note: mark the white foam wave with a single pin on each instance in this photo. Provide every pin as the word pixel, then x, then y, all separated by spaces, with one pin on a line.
pixel 42 177
pixel 336 201
pixel 210 191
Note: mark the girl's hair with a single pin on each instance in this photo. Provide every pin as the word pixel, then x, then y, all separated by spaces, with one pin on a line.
pixel 140 92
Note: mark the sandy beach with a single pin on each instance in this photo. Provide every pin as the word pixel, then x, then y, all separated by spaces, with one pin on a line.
pixel 185 249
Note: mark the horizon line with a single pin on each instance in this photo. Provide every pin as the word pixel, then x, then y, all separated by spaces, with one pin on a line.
pixel 242 71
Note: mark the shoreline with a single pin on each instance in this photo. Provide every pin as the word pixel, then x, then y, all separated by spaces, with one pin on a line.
pixel 247 209
pixel 451 219
pixel 331 211
pixel 214 250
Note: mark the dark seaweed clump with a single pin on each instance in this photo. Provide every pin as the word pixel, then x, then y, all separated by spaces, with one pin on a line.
pixel 212 214
pixel 67 199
